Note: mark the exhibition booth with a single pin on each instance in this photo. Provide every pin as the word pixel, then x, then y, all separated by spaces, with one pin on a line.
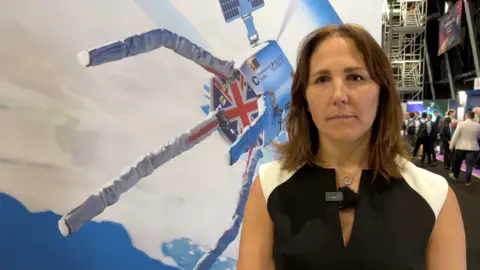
pixel 465 101
pixel 429 106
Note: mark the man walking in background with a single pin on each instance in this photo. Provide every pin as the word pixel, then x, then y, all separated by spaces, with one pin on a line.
pixel 432 139
pixel 436 123
pixel 445 133
pixel 406 116
pixel 465 143
pixel 423 134
pixel 439 128
pixel 411 129
pixel 451 158
pixel 437 118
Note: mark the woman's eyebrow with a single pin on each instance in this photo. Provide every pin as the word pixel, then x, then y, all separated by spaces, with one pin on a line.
pixel 347 69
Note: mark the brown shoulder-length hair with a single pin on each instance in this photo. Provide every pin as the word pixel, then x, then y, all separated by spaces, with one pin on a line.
pixel 386 143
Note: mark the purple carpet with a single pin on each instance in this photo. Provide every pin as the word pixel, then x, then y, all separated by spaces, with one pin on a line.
pixel 476 172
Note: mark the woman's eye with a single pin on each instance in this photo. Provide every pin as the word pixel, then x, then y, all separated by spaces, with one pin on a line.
pixel 354 78
pixel 322 79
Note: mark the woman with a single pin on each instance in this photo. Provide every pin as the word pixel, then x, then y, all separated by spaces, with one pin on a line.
pixel 344 132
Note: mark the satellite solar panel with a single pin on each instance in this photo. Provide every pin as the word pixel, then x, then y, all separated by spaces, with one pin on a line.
pixel 230 9
pixel 257 3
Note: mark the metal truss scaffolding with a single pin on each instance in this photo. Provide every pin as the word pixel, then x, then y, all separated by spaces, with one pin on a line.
pixel 404 24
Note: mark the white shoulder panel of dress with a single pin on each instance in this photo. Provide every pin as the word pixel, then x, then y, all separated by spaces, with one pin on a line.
pixel 271 176
pixel 432 187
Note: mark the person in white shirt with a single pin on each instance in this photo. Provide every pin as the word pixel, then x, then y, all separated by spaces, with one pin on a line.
pixel 465 143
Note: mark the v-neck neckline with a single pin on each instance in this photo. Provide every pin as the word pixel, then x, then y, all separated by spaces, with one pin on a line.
pixel 365 176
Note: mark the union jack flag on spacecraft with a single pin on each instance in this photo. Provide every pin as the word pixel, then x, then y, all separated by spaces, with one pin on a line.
pixel 239 102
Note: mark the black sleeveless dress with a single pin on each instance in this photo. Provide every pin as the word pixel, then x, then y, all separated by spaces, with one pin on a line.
pixel 391 230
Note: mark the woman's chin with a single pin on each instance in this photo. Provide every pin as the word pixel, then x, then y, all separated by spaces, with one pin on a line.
pixel 346 136
pixel 345 139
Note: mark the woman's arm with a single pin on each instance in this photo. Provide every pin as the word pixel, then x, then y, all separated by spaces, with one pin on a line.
pixel 256 240
pixel 447 246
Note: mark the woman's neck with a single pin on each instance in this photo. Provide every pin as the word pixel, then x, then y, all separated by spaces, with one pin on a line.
pixel 343 155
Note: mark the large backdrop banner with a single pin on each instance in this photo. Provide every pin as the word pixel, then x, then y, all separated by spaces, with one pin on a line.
pixel 132 129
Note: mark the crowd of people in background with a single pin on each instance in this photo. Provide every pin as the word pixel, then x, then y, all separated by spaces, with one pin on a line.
pixel 456 141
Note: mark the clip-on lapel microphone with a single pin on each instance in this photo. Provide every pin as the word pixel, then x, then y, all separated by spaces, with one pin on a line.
pixel 344 196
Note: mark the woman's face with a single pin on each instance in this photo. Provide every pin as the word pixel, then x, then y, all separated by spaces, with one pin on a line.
pixel 342 98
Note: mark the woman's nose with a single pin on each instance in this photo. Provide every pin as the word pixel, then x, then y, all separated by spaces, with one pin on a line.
pixel 340 97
